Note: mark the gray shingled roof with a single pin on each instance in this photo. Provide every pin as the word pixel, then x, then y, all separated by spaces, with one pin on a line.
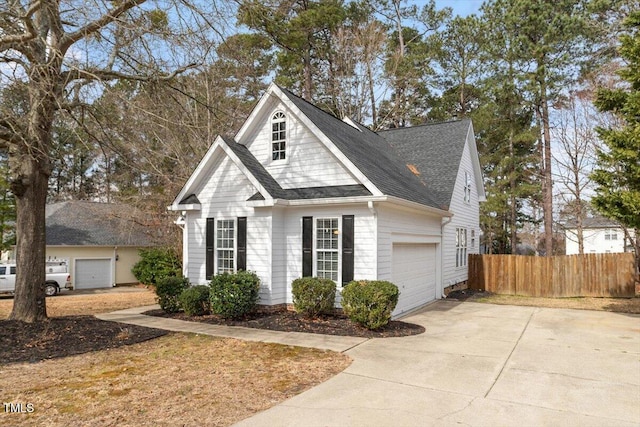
pixel 80 223
pixel 371 154
pixel 594 222
pixel 435 150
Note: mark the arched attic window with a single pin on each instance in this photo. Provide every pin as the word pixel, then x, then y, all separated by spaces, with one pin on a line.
pixel 278 136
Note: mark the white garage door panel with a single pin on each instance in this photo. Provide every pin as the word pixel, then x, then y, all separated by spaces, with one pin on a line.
pixel 413 270
pixel 93 273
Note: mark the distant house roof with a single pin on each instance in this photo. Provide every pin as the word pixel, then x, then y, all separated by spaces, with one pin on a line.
pixel 81 223
pixel 435 150
pixel 594 222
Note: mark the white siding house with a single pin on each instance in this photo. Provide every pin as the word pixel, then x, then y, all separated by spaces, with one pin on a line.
pixel 600 235
pixel 298 192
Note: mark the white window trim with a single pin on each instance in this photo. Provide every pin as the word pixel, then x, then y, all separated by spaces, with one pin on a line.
pixel 467 187
pixel 610 234
pixel 286 139
pixel 216 270
pixel 461 261
pixel 315 247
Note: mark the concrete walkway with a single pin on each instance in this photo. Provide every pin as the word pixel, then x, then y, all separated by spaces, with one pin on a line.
pixel 133 316
pixel 476 365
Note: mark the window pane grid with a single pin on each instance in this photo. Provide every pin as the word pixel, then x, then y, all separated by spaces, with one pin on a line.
pixel 225 245
pixel 461 247
pixel 327 248
pixel 278 136
pixel 327 265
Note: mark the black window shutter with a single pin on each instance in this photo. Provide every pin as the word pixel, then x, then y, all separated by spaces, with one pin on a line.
pixel 242 243
pixel 307 246
pixel 347 249
pixel 210 244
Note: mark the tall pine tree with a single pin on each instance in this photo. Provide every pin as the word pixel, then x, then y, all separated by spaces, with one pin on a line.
pixel 618 172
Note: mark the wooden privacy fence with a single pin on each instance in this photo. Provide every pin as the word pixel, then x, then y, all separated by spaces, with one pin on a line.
pixel 590 275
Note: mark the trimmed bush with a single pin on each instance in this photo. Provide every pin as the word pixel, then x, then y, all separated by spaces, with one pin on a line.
pixel 156 263
pixel 313 296
pixel 370 303
pixel 168 290
pixel 195 300
pixel 234 295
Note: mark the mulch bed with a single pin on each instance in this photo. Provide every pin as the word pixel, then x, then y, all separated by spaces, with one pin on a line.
pixel 66 336
pixel 287 321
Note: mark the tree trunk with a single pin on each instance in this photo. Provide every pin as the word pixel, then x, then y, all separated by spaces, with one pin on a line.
pixel 372 95
pixel 580 236
pixel 31 170
pixel 30 243
pixel 513 212
pixel 547 188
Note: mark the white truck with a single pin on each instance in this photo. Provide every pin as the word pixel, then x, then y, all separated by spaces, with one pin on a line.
pixel 57 278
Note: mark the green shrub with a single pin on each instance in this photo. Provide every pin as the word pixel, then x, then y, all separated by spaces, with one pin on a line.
pixel 156 263
pixel 168 290
pixel 195 300
pixel 370 303
pixel 234 295
pixel 313 296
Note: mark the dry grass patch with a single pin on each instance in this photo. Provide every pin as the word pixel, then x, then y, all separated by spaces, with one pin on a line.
pixel 179 379
pixel 618 305
pixel 86 304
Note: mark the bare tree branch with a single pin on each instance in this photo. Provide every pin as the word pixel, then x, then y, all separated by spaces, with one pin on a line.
pixel 17 41
pixel 99 23
pixel 106 75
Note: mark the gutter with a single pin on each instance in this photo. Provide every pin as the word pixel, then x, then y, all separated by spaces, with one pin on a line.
pixel 345 200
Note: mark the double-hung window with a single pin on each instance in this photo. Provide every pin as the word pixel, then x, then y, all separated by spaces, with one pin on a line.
pixel 327 248
pixel 225 246
pixel 278 136
pixel 610 234
pixel 467 187
pixel 461 247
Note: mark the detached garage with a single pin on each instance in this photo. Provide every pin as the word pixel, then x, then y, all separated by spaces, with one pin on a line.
pixel 100 240
pixel 93 273
pixel 413 270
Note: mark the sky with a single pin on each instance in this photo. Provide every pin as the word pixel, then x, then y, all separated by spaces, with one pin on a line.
pixel 460 7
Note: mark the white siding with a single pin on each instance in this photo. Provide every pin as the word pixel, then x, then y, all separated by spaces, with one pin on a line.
pixel 222 196
pixel 399 225
pixel 278 262
pixel 291 263
pixel 465 215
pixel 308 162
pixel 595 241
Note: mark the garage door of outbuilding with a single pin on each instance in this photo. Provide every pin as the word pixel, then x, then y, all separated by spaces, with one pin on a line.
pixel 93 273
pixel 413 270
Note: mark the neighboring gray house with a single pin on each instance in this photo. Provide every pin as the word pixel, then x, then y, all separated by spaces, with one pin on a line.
pixel 100 241
pixel 298 192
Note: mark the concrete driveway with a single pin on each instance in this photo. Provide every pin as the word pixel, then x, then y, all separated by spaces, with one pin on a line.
pixel 483 365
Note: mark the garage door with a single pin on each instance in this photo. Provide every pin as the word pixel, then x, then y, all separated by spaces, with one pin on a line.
pixel 413 270
pixel 92 273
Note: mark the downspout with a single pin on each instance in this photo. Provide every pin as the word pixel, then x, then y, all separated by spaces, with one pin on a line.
pixel 442 225
pixel 114 270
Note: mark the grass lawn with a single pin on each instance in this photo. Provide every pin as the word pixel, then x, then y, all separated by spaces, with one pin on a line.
pixel 72 304
pixel 618 305
pixel 177 379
